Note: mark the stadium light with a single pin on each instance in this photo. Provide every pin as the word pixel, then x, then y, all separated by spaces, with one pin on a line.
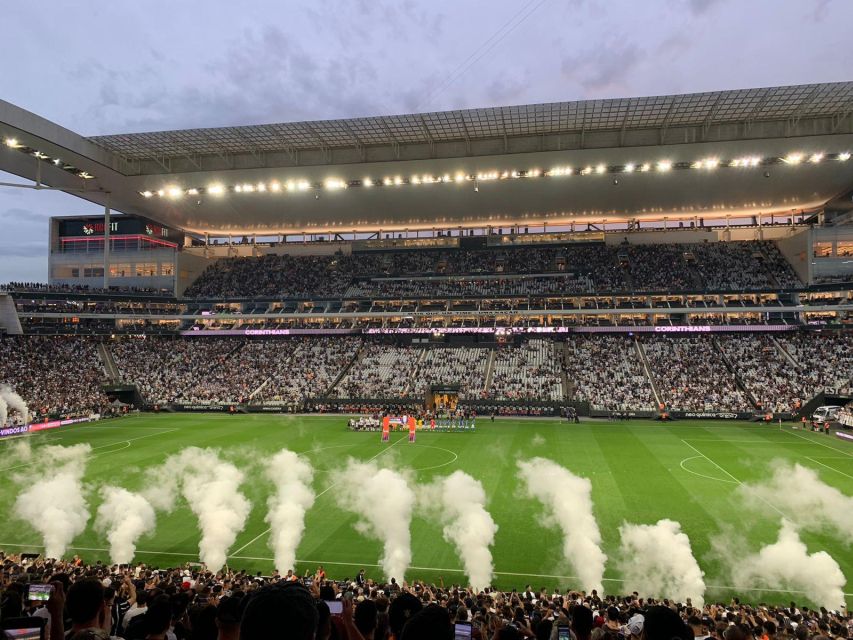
pixel 664 166
pixel 398 180
pixel 844 156
pixel 793 158
pixel 586 171
pixel 303 185
pixel 816 157
pixel 262 187
pixel 12 142
pixel 415 180
pixel 161 193
pixel 600 168
pixel 57 161
pixel 275 186
pixel 175 192
pixel 367 182
pixel 333 184
pixel 147 194
pixel 645 167
pixel 192 192
pixel 629 168
pixel 387 182
pixel 216 189
pixel 460 177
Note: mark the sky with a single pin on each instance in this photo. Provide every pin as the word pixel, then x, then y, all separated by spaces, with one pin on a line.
pixel 101 66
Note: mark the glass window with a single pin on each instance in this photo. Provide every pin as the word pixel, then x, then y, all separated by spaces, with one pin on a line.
pixel 822 249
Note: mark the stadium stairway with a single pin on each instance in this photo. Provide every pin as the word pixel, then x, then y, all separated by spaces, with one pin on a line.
pixel 490 370
pixel 110 367
pixel 784 352
pixel 359 354
pixel 642 353
pixel 738 381
pixel 561 353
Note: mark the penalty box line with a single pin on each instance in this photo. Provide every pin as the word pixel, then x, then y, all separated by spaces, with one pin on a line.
pixel 323 492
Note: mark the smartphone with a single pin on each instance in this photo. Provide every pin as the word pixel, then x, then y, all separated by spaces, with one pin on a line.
pixel 39 592
pixel 336 607
pixel 462 631
pixel 24 628
pixel 563 632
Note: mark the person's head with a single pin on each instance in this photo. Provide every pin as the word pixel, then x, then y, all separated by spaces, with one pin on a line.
pixel 635 625
pixel 662 623
pixel 365 617
pixel 581 621
pixel 430 623
pixel 285 610
pixel 402 608
pixel 228 616
pixel 158 616
pixel 85 602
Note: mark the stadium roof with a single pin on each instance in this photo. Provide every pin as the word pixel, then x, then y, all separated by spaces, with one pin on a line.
pixel 702 109
pixel 770 150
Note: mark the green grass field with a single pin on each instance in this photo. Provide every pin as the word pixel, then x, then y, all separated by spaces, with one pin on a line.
pixel 641 471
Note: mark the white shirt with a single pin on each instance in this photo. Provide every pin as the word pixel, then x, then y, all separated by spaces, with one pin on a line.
pixel 131 613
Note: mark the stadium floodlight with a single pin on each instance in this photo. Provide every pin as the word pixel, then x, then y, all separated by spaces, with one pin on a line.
pixel 40 155
pixel 446 177
pixel 709 163
pixel 664 166
pixel 586 171
pixel 192 192
pixel 216 189
pixel 147 194
pixel 645 166
pixel 57 161
pixel 629 168
pixel 275 186
pixel 600 168
pixel 816 157
pixel 535 173
pixel 333 184
pixel 387 182
pixel 238 189
pixel 248 188
pixel 12 142
pixel 460 177
pixel 175 192
pixel 161 193
pixel 793 158
pixel 398 180
pixel 415 180
pixel 844 156
pixel 367 182
pixel 261 187
pixel 303 185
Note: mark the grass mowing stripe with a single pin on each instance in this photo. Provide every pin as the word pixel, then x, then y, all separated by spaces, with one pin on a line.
pixel 831 468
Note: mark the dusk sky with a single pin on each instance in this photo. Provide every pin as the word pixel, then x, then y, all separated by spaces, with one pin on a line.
pixel 100 67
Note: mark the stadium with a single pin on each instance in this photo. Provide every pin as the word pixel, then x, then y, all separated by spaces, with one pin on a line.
pixel 592 348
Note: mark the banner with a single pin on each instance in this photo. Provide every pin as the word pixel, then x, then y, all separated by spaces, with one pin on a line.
pixel 41 426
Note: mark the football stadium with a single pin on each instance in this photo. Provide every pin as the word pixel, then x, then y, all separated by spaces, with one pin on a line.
pixel 577 369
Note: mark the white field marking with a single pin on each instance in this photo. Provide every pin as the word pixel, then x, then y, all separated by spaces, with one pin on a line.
pixel 738 482
pixel 724 441
pixel 372 564
pixel 831 468
pixel 813 441
pixel 701 475
pixel 323 492
pixel 103 446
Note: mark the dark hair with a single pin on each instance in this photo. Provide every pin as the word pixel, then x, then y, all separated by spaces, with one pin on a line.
pixel 85 600
pixel 581 621
pixel 430 623
pixel 285 610
pixel 662 623
pixel 158 616
pixel 402 608
pixel 365 616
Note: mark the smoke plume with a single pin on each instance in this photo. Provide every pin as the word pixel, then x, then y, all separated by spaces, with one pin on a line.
pixel 460 502
pixel 211 487
pixel 4 412
pixel 810 503
pixel 786 564
pixel 14 401
pixel 568 504
pixel 124 517
pixel 52 501
pixel 292 478
pixel 656 560
pixel 383 502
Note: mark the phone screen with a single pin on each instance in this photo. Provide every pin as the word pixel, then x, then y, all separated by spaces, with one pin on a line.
pixel 563 632
pixel 462 631
pixel 40 592
pixel 336 607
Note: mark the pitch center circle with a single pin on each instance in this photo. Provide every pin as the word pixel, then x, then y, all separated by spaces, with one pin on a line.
pixel 453 456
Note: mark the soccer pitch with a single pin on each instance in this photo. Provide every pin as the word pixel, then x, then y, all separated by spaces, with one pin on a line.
pixel 641 471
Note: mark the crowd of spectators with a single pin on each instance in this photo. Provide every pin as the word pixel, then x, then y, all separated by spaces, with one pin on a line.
pixel 381 371
pixel 42 287
pixel 530 371
pixel 138 602
pixel 463 366
pixel 60 375
pixel 824 359
pixel 714 266
pixel 606 371
pixel 691 375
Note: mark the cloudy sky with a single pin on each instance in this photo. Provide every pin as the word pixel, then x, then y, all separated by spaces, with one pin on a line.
pixel 101 66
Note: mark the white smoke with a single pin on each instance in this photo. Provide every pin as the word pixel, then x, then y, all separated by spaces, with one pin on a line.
pixel 4 412
pixel 568 504
pixel 123 516
pixel 292 478
pixel 14 401
pixel 786 564
pixel 211 487
pixel 460 502
pixel 383 502
pixel 810 503
pixel 537 440
pixel 52 501
pixel 656 560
